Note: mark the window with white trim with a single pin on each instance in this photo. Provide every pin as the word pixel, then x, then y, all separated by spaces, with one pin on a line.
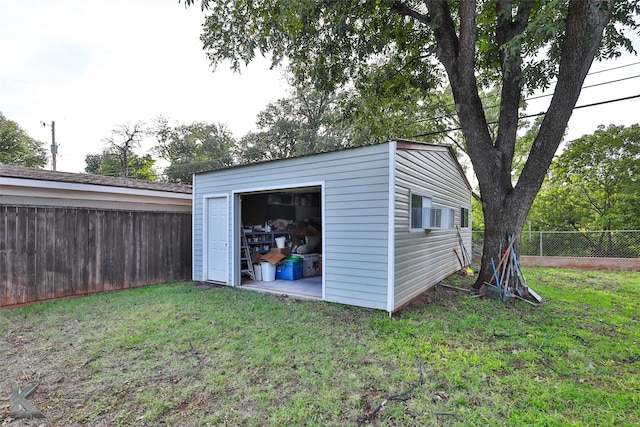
pixel 448 218
pixel 465 217
pixel 420 211
pixel 425 216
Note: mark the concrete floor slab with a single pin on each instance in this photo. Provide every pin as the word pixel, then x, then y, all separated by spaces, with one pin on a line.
pixel 307 287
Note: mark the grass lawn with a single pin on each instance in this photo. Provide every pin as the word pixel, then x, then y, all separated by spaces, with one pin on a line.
pixel 190 355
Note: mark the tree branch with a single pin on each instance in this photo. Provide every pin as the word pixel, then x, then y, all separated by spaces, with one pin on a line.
pixel 459 63
pixel 585 24
pixel 467 45
pixel 508 27
pixel 448 44
pixel 402 9
pixel 455 142
pixel 511 94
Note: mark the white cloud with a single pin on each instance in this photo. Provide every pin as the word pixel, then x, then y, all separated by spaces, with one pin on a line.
pixel 90 65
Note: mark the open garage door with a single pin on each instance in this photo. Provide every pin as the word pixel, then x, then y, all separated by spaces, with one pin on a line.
pixel 291 218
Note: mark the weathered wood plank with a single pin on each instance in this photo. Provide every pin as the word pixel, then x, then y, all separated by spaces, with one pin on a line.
pixel 119 243
pixel 38 260
pixel 6 252
pixel 3 254
pixel 20 283
pixel 32 287
pixel 80 272
pixel 130 239
pixel 59 254
pixel 139 242
pixel 167 244
pixel 50 252
pixel 109 257
pixel 48 248
pixel 71 263
pixel 94 247
pixel 175 246
pixel 20 407
pixel 154 246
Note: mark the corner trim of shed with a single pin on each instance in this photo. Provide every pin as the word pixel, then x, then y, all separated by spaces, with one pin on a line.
pixel 391 228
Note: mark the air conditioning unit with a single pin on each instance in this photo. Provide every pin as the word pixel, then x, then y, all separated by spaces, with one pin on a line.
pixel 439 218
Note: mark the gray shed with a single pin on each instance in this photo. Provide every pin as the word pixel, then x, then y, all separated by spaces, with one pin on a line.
pixel 388 215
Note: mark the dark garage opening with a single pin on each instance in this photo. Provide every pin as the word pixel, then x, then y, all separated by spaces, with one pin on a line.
pixel 291 218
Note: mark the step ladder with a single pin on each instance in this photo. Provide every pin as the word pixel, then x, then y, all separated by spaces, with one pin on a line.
pixel 246 266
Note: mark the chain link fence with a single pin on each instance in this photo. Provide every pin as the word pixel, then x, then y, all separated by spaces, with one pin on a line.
pixel 596 244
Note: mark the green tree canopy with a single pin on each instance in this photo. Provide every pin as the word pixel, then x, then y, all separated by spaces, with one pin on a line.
pixel 594 184
pixel 312 120
pixel 516 46
pixel 18 148
pixel 122 142
pixel 307 121
pixel 120 158
pixel 108 163
pixel 191 148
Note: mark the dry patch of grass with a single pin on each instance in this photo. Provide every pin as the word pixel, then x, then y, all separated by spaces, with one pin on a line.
pixel 188 355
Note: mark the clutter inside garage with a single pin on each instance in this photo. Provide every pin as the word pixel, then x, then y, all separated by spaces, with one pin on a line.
pixel 281 235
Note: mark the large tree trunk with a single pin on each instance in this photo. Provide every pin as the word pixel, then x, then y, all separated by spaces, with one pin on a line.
pixel 506 224
pixel 506 205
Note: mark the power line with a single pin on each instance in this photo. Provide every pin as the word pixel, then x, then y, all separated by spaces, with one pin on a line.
pixel 583 87
pixel 613 68
pixel 528 116
pixel 606 102
pixel 551 94
pixel 165 174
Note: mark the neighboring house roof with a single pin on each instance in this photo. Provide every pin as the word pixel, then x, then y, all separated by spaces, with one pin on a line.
pixel 85 178
pixel 38 187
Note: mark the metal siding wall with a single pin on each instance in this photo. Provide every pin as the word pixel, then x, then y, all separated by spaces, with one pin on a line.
pixel 423 259
pixel 356 215
pixel 198 232
pixel 202 189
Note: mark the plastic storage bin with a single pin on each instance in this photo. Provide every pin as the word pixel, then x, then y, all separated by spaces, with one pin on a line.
pixel 290 270
pixel 268 272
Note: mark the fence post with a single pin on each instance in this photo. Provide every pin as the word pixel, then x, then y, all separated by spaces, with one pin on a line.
pixel 540 243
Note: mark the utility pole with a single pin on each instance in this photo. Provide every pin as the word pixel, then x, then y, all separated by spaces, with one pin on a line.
pixel 54 147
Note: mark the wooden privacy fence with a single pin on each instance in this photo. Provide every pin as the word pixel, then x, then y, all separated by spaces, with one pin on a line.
pixel 53 252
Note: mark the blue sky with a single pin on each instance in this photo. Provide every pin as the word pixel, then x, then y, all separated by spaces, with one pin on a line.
pixel 90 65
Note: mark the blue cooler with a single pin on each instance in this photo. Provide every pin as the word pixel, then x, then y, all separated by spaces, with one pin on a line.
pixel 290 270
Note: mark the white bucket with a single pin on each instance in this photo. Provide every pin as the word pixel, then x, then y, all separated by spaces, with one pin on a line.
pixel 268 272
pixel 280 242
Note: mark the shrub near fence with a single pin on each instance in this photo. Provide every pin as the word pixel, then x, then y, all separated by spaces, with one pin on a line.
pixel 53 252
pixel 595 244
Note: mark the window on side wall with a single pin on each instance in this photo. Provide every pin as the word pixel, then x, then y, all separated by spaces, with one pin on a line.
pixel 448 218
pixel 420 211
pixel 425 216
pixel 465 220
pixel 442 218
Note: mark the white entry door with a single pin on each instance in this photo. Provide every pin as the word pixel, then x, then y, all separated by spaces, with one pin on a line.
pixel 217 239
